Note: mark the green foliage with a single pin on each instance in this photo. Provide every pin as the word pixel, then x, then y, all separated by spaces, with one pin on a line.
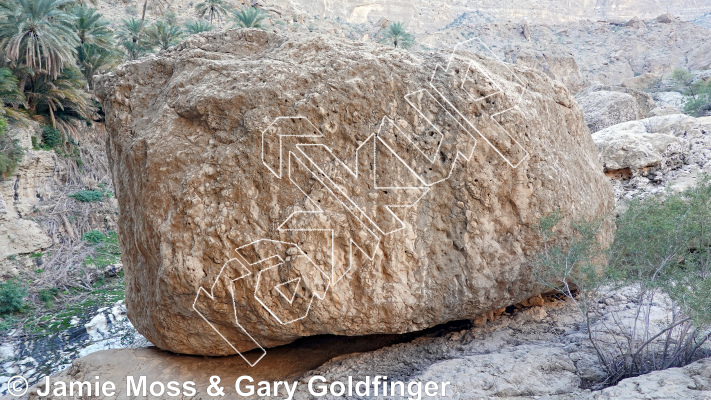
pixel 7 322
pixel 700 103
pixel 664 244
pixel 662 250
pixel 62 98
pixel 51 138
pixel 36 255
pixel 212 9
pixel 93 237
pixel 697 91
pixel 683 79
pixel 88 196
pixel 106 252
pixel 47 296
pixel 10 151
pixel 249 17
pixel 10 95
pixel 396 35
pixel 96 49
pixel 91 28
pixel 163 35
pixel 38 34
pixel 51 48
pixel 193 27
pixel 572 266
pixel 12 297
pixel 130 36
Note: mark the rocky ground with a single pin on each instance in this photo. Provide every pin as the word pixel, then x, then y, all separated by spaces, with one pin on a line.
pixel 539 350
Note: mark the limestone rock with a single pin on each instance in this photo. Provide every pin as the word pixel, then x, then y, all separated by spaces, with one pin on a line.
pixel 630 146
pixel 523 371
pixel 424 15
pixel 635 23
pixel 18 195
pixel 526 31
pixel 664 110
pixel 642 82
pixel 665 18
pixel 194 155
pixel 673 99
pixel 559 67
pixel 648 156
pixel 519 356
pixel 606 106
pixel 691 382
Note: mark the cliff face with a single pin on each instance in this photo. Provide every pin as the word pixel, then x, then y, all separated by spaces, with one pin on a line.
pixel 428 16
pixel 279 186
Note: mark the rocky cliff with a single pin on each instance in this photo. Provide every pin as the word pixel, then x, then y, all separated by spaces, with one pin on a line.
pixel 428 16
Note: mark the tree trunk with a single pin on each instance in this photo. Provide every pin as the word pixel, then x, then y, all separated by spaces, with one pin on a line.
pixel 143 15
pixel 21 85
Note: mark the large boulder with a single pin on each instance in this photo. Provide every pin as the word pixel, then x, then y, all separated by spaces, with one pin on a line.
pixel 606 106
pixel 255 195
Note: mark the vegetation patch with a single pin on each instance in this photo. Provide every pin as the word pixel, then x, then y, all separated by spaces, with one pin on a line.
pixel 52 138
pixel 697 92
pixel 12 297
pixel 88 196
pixel 107 250
pixel 662 253
pixel 10 151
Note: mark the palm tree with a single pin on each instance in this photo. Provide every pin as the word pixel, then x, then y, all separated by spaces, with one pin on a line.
pixel 61 98
pixel 213 9
pixel 96 49
pixel 156 4
pixel 163 35
pixel 193 27
pixel 249 17
pixel 10 95
pixel 91 28
pixel 396 35
pixel 38 34
pixel 93 59
pixel 130 36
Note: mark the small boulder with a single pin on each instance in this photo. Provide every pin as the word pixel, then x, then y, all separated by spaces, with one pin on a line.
pixel 665 19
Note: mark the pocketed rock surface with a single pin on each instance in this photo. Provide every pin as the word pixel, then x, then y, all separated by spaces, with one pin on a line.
pixel 192 180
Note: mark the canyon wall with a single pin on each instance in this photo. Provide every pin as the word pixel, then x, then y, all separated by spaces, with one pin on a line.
pixel 428 16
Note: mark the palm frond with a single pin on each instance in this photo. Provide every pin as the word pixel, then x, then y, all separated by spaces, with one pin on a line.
pixel 193 27
pixel 249 17
pixel 396 35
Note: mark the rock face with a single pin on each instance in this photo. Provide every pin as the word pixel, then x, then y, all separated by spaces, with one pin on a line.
pixel 650 155
pixel 19 193
pixel 605 106
pixel 433 15
pixel 606 52
pixel 236 220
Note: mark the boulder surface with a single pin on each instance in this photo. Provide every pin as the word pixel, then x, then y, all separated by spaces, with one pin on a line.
pixel 605 106
pixel 273 187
